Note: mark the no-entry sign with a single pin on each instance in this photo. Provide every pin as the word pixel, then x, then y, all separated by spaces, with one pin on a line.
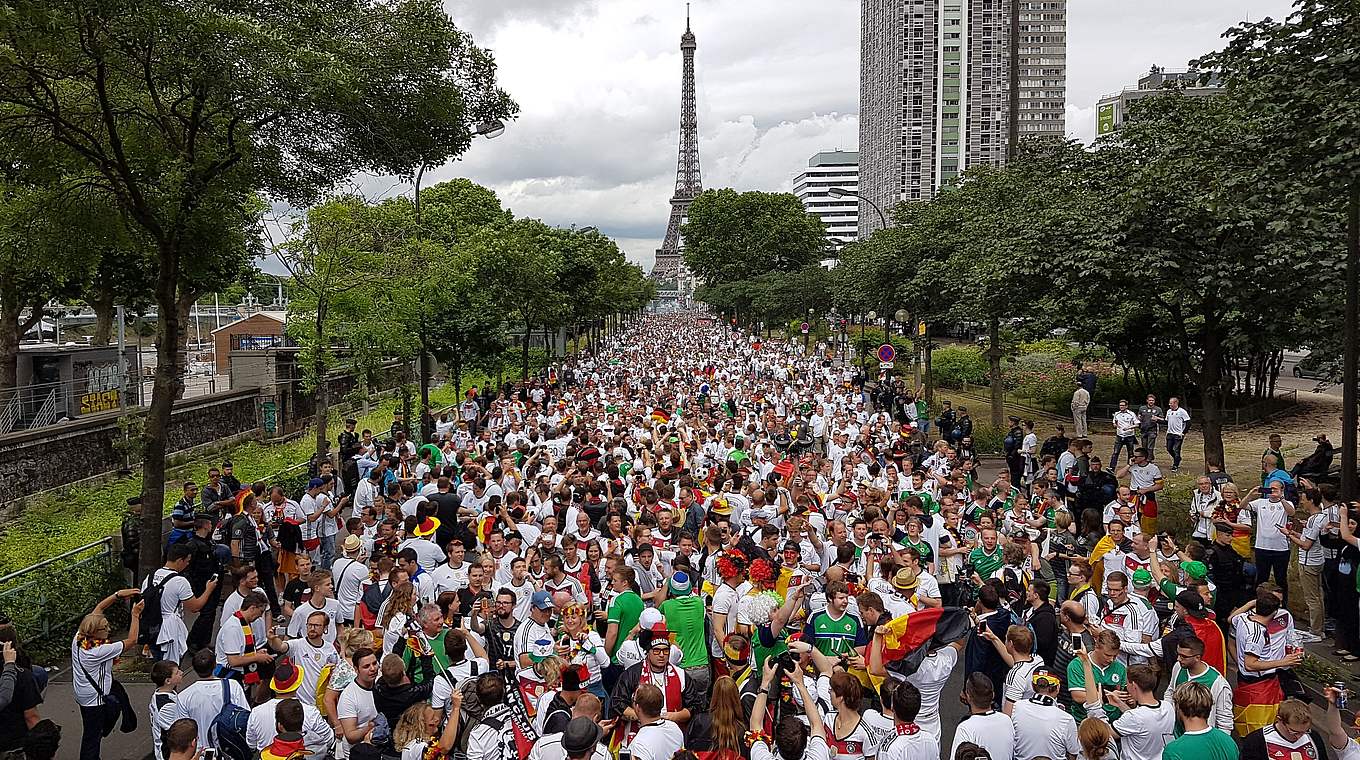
pixel 805 327
pixel 886 353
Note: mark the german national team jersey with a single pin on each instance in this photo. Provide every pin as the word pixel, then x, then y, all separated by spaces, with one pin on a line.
pixel 835 636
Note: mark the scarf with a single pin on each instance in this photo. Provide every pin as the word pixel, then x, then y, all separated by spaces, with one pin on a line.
pixel 252 671
pixel 624 731
pixel 284 748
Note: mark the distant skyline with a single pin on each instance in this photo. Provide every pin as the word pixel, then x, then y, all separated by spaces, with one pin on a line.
pixel 598 83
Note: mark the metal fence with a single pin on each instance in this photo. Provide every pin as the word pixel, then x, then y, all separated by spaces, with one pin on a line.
pixel 1101 414
pixel 48 599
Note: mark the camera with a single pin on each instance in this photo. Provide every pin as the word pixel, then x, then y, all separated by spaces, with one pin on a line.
pixel 786 663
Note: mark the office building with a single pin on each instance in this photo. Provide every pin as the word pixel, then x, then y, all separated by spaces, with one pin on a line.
pixel 935 89
pixel 1113 110
pixel 828 169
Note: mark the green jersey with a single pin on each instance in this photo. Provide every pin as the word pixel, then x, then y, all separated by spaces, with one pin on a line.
pixel 626 611
pixel 685 616
pixel 1112 676
pixel 1209 744
pixel 985 564
pixel 441 658
pixel 834 637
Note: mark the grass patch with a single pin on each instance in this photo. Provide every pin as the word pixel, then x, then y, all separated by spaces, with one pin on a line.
pixel 63 519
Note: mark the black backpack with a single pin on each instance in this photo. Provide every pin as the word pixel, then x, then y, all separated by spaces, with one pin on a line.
pixel 151 613
pixel 228 730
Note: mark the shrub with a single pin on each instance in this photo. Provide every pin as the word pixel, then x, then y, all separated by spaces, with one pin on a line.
pixel 952 366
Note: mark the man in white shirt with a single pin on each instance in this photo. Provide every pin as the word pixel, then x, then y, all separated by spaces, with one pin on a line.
pixel 1177 420
pixel 311 654
pixel 1042 727
pixel 177 597
pixel 908 741
pixel 984 726
pixel 262 727
pixel 1146 724
pixel 202 699
pixel 453 574
pixel 1125 432
pixel 348 574
pixel 355 709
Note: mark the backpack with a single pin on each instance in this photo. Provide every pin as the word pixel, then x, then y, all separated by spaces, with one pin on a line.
pixel 151 612
pixel 369 604
pixel 228 731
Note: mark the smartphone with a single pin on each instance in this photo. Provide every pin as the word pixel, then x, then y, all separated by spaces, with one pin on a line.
pixel 209 753
pixel 1076 641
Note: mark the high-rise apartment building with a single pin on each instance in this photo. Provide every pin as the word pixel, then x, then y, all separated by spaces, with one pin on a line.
pixel 935 81
pixel 828 169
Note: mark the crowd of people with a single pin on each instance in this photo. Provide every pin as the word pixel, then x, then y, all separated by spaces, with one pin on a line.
pixel 696 543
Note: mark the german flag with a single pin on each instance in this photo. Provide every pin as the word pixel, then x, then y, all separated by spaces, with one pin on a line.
pixel 486 524
pixel 1215 652
pixel 784 469
pixel 908 639
pixel 1255 704
pixel 660 416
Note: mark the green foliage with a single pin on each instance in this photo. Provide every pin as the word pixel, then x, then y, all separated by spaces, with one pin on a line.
pixel 731 236
pixel 952 366
pixel 46 607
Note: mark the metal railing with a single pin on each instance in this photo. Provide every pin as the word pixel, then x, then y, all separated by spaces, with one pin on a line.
pixel 47 598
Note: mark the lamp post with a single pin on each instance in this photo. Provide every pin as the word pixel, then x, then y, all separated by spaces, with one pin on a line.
pixel 840 192
pixel 872 316
pixel 902 316
pixel 807 334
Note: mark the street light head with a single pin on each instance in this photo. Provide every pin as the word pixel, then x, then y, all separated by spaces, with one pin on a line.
pixel 490 129
pixel 873 315
pixel 838 192
pixel 901 315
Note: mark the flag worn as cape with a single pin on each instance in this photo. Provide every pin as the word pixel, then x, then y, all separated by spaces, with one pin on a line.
pixel 784 469
pixel 909 638
pixel 1215 653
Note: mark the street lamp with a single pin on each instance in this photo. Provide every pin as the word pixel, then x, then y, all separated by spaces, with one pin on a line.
pixel 840 192
pixel 901 316
pixel 872 316
pixel 808 334
pixel 489 129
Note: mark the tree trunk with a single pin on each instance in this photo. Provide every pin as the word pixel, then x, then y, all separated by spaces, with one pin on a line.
pixel 1350 370
pixel 323 408
pixel 166 387
pixel 11 332
pixel 426 428
pixel 1211 389
pixel 930 379
pixel 994 366
pixel 525 356
pixel 104 309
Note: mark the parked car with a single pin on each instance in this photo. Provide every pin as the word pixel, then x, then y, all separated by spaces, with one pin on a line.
pixel 1317 365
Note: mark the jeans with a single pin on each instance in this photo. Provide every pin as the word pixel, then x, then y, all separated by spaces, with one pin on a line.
pixel 1121 442
pixel 91 731
pixel 1173 447
pixel 327 550
pixel 1273 561
pixel 1150 443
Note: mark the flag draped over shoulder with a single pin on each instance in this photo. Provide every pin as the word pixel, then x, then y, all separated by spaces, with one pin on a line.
pixel 784 469
pixel 909 638
pixel 1215 652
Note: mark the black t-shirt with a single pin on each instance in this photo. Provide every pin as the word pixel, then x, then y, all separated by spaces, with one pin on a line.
pixel 13 727
pixel 466 598
pixel 296 592
pixel 446 509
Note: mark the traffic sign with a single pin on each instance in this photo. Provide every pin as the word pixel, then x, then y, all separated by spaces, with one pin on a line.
pixel 886 353
pixel 805 327
pixel 885 365
pixel 921 329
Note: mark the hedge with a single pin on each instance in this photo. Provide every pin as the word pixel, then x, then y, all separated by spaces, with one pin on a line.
pixel 60 520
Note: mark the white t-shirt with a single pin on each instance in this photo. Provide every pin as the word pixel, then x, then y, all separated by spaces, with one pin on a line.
pixel 348 576
pixel 312 660
pixel 1044 729
pixel 1145 730
pixel 297 624
pixel 993 731
pixel 1176 420
pixel 1270 515
pixel 660 741
pixel 1019 686
pixel 817 749
pixel 930 680
pixel 909 743
pixel 725 600
pixel 356 702
pixel 1313 556
pixel 92 668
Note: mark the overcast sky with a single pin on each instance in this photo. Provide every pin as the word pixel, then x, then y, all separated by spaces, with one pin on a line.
pixel 598 85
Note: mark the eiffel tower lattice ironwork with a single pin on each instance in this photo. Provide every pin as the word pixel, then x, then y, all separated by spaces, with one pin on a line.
pixel 670 263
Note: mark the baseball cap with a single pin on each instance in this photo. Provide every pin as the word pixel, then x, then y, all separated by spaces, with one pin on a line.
pixel 1190 600
pixel 580 736
pixel 679 584
pixel 649 617
pixel 315 483
pixel 541 600
pixel 1142 578
pixel 1195 569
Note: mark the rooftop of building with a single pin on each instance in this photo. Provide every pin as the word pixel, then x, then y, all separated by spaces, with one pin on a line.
pixel 835 158
pixel 1159 78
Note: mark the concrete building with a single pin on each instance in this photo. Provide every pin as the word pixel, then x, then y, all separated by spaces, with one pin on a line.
pixel 828 169
pixel 257 332
pixel 935 89
pixel 1113 110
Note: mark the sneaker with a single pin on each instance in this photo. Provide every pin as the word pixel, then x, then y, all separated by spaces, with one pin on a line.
pixel 1308 637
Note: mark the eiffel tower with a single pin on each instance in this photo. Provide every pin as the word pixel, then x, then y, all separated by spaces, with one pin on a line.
pixel 670 262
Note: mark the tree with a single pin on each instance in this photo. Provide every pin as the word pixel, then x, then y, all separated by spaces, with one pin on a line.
pixel 731 237
pixel 1299 81
pixel 180 112
pixel 332 259
pixel 1189 255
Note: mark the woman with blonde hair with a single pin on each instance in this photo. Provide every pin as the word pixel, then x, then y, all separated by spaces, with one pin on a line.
pixel 1097 740
pixel 582 648
pixel 343 675
pixel 92 657
pixel 397 612
pixel 417 731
